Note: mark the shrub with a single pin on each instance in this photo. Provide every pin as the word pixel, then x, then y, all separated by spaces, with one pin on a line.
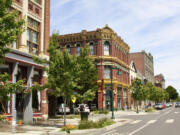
pixel 105 122
pixel 69 116
pixel 69 127
pixel 87 124
pixel 98 124
pixel 150 110
pixel 101 112
pixel 2 117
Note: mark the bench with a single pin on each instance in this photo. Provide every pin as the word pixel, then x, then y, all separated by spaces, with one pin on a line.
pixel 8 116
pixel 37 116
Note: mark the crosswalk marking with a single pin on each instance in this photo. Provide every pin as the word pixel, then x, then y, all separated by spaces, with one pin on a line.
pixel 136 121
pixel 151 121
pixel 169 121
pixel 110 132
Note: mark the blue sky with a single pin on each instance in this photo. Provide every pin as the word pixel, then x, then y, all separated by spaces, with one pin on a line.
pixel 150 25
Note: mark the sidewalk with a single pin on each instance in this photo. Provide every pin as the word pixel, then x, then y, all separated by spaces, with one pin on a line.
pixel 52 126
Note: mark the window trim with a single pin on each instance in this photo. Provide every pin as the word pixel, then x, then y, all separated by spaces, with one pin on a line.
pixel 107 52
pixel 91 44
pixel 106 68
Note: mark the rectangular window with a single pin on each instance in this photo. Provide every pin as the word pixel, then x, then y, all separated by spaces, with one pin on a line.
pixel 33 36
pixel 37 1
pixel 107 72
pixel 14 45
pixel 91 50
pixel 28 34
pixel 106 50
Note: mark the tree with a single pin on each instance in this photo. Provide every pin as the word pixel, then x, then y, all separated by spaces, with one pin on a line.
pixel 6 88
pixel 61 72
pixel 137 91
pixel 11 26
pixel 173 94
pixel 150 88
pixel 87 83
pixel 61 69
pixel 155 94
pixel 68 74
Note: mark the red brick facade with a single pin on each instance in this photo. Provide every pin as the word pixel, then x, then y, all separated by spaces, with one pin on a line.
pixel 46 25
pixel 118 57
pixel 138 59
pixel 144 64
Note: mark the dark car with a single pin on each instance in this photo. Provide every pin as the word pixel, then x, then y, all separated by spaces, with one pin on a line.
pixel 177 104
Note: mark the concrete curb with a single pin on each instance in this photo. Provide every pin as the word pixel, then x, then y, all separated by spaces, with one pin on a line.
pixel 119 122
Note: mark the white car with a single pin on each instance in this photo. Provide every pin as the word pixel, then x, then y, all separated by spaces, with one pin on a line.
pixel 84 107
pixel 61 109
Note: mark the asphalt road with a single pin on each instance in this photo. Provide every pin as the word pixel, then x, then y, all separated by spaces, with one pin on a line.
pixel 165 122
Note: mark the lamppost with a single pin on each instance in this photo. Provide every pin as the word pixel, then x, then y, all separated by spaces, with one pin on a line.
pixel 112 94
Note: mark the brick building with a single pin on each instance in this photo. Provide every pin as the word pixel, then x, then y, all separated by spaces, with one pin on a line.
pixel 160 81
pixel 144 64
pixel 19 63
pixel 108 49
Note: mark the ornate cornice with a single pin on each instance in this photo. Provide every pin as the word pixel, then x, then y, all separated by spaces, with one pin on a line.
pixel 114 81
pixel 105 33
pixel 114 59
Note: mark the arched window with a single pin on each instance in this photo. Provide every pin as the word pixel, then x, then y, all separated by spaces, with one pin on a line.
pixel 69 49
pixel 106 48
pixel 91 48
pixel 107 72
pixel 78 49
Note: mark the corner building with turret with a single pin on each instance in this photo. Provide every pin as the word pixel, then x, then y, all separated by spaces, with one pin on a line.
pixel 108 50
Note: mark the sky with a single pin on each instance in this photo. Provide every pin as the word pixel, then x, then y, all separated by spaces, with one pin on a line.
pixel 150 25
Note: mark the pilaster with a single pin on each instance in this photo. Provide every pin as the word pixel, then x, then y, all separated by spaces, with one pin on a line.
pixel 14 114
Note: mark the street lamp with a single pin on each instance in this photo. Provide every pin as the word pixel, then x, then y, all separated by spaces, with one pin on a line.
pixel 112 94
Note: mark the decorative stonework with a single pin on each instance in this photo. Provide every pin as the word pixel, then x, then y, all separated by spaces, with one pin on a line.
pixel 105 33
pixel 112 59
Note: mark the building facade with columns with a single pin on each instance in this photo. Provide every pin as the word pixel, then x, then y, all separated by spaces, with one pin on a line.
pixel 108 50
pixel 19 62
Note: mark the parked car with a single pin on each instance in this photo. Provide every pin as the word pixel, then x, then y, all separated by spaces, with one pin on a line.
pixel 60 109
pixel 168 104
pixel 177 104
pixel 159 106
pixel 82 107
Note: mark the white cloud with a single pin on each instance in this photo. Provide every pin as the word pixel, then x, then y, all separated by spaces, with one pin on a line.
pixel 152 25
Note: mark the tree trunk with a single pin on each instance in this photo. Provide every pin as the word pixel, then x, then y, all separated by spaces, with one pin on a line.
pixel 64 111
pixel 3 107
pixel 137 111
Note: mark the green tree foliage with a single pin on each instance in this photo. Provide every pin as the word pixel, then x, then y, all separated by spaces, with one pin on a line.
pixel 7 87
pixel 147 92
pixel 62 68
pixel 70 73
pixel 137 90
pixel 178 99
pixel 155 94
pixel 10 26
pixel 88 76
pixel 173 94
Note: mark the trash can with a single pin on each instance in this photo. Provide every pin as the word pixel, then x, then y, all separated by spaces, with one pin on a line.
pixel 84 116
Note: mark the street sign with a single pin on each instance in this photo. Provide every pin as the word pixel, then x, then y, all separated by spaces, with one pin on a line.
pixel 73 99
